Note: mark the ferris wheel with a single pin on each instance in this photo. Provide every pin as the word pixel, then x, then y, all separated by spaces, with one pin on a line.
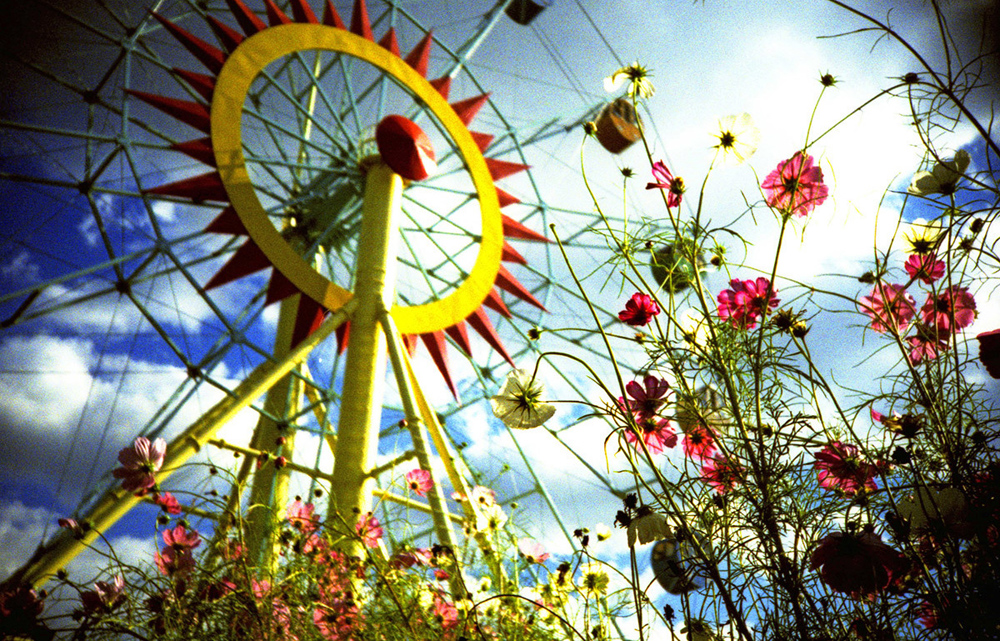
pixel 190 214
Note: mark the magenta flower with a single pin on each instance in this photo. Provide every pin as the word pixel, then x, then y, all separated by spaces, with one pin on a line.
pixel 796 187
pixel 665 180
pixel 989 351
pixel 167 502
pixel 105 596
pixel 445 613
pixel 180 539
pixel 840 467
pixel 699 442
pixel 746 300
pixel 889 307
pixel 301 516
pixel 857 564
pixel 140 464
pixel 657 433
pixel 951 310
pixel 646 399
pixel 926 344
pixel 532 551
pixel 722 473
pixel 419 481
pixel 369 529
pixel 409 558
pixel 639 310
pixel 926 267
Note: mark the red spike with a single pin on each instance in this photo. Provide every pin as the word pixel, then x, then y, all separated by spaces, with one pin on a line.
pixel 505 198
pixel 410 342
pixel 203 84
pixel 501 168
pixel 389 42
pixel 248 20
pixel 208 55
pixel 511 255
pixel 275 15
pixel 507 282
pixel 302 12
pixel 438 346
pixel 481 323
pixel 229 37
pixel 343 333
pixel 359 21
pixel 443 85
pixel 197 188
pixel 192 113
pixel 227 222
pixel 330 16
pixel 420 57
pixel 278 288
pixel 200 150
pixel 307 320
pixel 482 140
pixel 468 108
pixel 247 260
pixel 494 302
pixel 514 229
pixel 459 334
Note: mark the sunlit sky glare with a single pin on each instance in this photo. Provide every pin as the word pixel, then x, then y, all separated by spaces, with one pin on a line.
pixel 707 60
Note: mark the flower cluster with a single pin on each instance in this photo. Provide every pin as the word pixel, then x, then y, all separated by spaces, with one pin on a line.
pixel 747 300
pixel 641 411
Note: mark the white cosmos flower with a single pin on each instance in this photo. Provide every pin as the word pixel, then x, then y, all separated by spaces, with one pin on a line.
pixel 521 402
pixel 943 178
pixel 635 74
pixel 738 138
pixel 647 528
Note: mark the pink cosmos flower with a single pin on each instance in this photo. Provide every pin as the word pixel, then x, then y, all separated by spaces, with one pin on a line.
pixel 411 557
pixel 445 613
pixel 532 551
pixel 176 558
pixel 699 442
pixel 926 267
pixel 796 187
pixel 745 301
pixel 180 539
pixel 167 502
pixel 369 529
pixel 989 351
pixel 926 344
pixel 140 463
pixel 889 307
pixel 657 433
pixel 665 180
pixel 722 473
pixel 646 399
pixel 105 596
pixel 639 310
pixel 419 481
pixel 857 564
pixel 840 467
pixel 950 310
pixel 301 516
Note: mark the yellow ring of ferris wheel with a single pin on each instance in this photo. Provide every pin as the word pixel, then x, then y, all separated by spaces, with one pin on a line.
pixel 231 88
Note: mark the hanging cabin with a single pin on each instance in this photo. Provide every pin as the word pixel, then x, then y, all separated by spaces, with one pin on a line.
pixel 524 11
pixel 618 126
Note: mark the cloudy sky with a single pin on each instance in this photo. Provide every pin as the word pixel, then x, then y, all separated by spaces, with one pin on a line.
pixel 78 382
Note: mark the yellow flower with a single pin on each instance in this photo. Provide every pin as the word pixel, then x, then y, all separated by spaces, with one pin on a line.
pixel 738 138
pixel 923 237
pixel 594 580
pixel 521 402
pixel 638 78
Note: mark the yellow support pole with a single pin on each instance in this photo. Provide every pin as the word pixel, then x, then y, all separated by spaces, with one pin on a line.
pixel 364 374
pixel 116 502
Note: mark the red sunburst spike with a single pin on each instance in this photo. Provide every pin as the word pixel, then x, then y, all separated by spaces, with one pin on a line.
pixel 506 281
pixel 227 222
pixel 420 57
pixel 278 288
pixel 359 21
pixel 209 56
pixel 389 42
pixel 275 16
pixel 330 16
pixel 200 150
pixel 438 346
pixel 468 108
pixel 248 20
pixel 202 83
pixel 443 85
pixel 307 320
pixel 481 323
pixel 343 332
pixel 514 229
pixel 410 343
pixel 197 188
pixel 511 255
pixel 191 113
pixel 229 37
pixel 501 168
pixel 494 302
pixel 482 140
pixel 505 198
pixel 246 260
pixel 302 12
pixel 460 335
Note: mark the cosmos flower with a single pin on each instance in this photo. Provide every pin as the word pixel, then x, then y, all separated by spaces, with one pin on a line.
pixel 926 344
pixel 167 502
pixel 857 564
pixel 639 310
pixel 533 551
pixel 950 310
pixel 594 580
pixel 369 529
pixel 699 442
pixel 738 138
pixel 839 466
pixel 646 399
pixel 301 516
pixel 521 403
pixel 636 75
pixel 889 307
pixel 657 433
pixel 105 596
pixel 923 237
pixel 140 462
pixel 745 301
pixel 445 612
pixel 943 178
pixel 989 351
pixel 665 180
pixel 490 518
pixel 722 473
pixel 177 559
pixel 647 527
pixel 926 267
pixel 932 510
pixel 419 481
pixel 796 187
